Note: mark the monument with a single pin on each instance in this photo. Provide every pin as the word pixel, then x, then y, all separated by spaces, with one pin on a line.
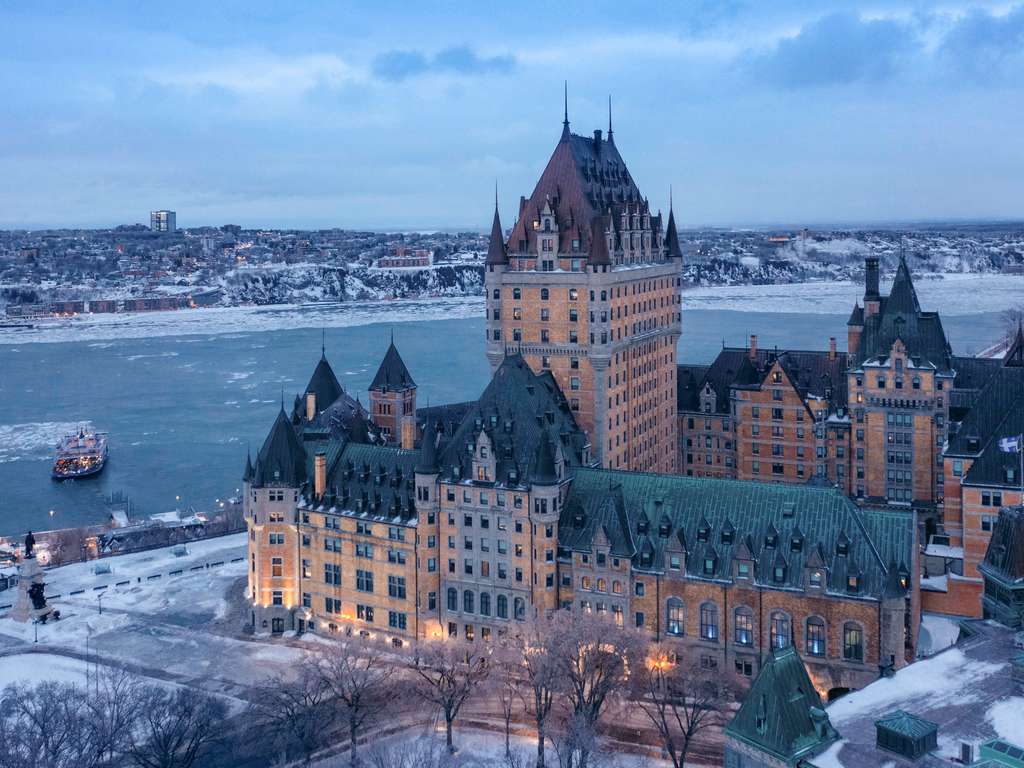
pixel 31 604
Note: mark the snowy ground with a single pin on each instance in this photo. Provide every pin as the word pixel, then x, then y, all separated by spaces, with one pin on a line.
pixel 166 618
pixel 951 294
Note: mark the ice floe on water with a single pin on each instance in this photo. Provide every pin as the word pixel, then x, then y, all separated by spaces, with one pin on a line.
pixel 234 322
pixel 36 440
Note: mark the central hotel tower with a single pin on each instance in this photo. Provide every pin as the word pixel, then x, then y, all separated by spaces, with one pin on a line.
pixel 587 287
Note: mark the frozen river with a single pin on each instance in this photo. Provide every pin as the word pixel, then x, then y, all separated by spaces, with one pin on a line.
pixel 183 394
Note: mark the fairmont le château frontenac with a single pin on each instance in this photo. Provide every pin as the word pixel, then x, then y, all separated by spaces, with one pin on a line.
pixel 818 500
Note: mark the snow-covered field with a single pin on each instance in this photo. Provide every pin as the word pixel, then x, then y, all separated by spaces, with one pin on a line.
pixel 162 617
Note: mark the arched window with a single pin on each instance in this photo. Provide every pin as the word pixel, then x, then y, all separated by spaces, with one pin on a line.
pixel 743 621
pixel 782 636
pixel 601 585
pixel 815 640
pixel 516 293
pixel 709 621
pixel 485 603
pixel 544 294
pixel 502 607
pixel 467 601
pixel 453 599
pixel 520 608
pixel 853 642
pixel 676 621
pixel 617 587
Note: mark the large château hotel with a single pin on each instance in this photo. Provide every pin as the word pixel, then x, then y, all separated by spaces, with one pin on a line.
pixel 559 486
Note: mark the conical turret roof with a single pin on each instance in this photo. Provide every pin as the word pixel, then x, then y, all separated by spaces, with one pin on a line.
pixel 392 374
pixel 324 384
pixel 281 460
pixel 496 253
pixel 672 237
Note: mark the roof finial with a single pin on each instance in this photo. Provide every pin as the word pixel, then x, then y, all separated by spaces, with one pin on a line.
pixel 392 335
pixel 565 119
pixel 670 198
pixel 495 194
pixel 609 117
pixel 323 342
pixel 282 395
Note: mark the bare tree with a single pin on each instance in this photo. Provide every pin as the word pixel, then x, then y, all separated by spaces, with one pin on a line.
pixel 295 713
pixel 447 673
pixel 538 657
pixel 46 726
pixel 360 673
pixel 681 701
pixel 505 677
pixel 594 658
pixel 174 728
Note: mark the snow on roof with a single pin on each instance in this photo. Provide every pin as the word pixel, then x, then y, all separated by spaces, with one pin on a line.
pixel 943 550
pixel 966 690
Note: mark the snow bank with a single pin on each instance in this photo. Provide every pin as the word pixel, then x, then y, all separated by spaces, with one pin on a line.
pixel 1007 718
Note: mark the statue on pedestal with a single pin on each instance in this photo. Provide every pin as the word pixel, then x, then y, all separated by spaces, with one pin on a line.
pixel 31 603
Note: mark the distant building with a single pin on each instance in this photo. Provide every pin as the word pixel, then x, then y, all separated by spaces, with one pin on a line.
pixel 403 258
pixel 163 221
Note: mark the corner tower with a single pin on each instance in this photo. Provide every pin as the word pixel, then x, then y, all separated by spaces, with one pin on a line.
pixel 587 287
pixel 393 400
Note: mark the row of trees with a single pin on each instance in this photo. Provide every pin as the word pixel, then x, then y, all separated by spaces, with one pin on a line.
pixel 122 722
pixel 562 675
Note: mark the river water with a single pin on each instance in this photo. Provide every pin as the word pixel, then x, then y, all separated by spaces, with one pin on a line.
pixel 184 394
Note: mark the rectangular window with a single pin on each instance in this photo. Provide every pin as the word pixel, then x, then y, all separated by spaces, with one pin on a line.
pixel 396 587
pixel 364 581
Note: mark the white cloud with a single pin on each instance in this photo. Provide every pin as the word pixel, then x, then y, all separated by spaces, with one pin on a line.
pixel 259 74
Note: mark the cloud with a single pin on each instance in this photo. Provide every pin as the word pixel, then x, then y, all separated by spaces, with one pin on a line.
pixel 399 65
pixel 838 49
pixel 985 45
pixel 251 74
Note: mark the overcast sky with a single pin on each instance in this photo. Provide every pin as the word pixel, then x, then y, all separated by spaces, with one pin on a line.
pixel 396 115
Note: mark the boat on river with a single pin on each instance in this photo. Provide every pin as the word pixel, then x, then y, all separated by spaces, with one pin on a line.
pixel 80 454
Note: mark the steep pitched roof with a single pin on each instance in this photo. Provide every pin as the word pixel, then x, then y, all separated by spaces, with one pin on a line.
pixel 392 373
pixel 282 459
pixel 372 480
pixel 1015 354
pixel 900 317
pixel 584 178
pixel 496 253
pixel 324 384
pixel 997 411
pixel 856 316
pixel 516 410
pixel 812 373
pixel 767 518
pixel 782 713
pixel 1004 557
pixel 672 237
pixel 427 461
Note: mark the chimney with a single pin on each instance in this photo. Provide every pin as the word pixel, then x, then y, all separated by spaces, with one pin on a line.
pixel 310 406
pixel 320 474
pixel 870 278
pixel 753 347
pixel 831 347
pixel 597 140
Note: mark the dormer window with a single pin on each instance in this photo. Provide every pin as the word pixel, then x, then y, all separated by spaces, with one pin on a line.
pixel 779 574
pixel 702 533
pixel 770 540
pixel 709 566
pixel 727 536
pixel 815 579
pixel 796 544
pixel 663 529
pixel 853 584
pixel 842 547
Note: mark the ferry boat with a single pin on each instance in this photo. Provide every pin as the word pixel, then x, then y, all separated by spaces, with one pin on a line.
pixel 80 454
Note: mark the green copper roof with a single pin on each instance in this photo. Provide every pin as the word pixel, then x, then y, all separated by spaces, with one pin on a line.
pixel 783 714
pixel 906 724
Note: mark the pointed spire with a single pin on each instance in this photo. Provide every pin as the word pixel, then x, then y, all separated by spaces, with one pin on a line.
pixel 565 120
pixel 671 232
pixel 323 343
pixel 427 463
pixel 247 476
pixel 496 253
pixel 610 139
